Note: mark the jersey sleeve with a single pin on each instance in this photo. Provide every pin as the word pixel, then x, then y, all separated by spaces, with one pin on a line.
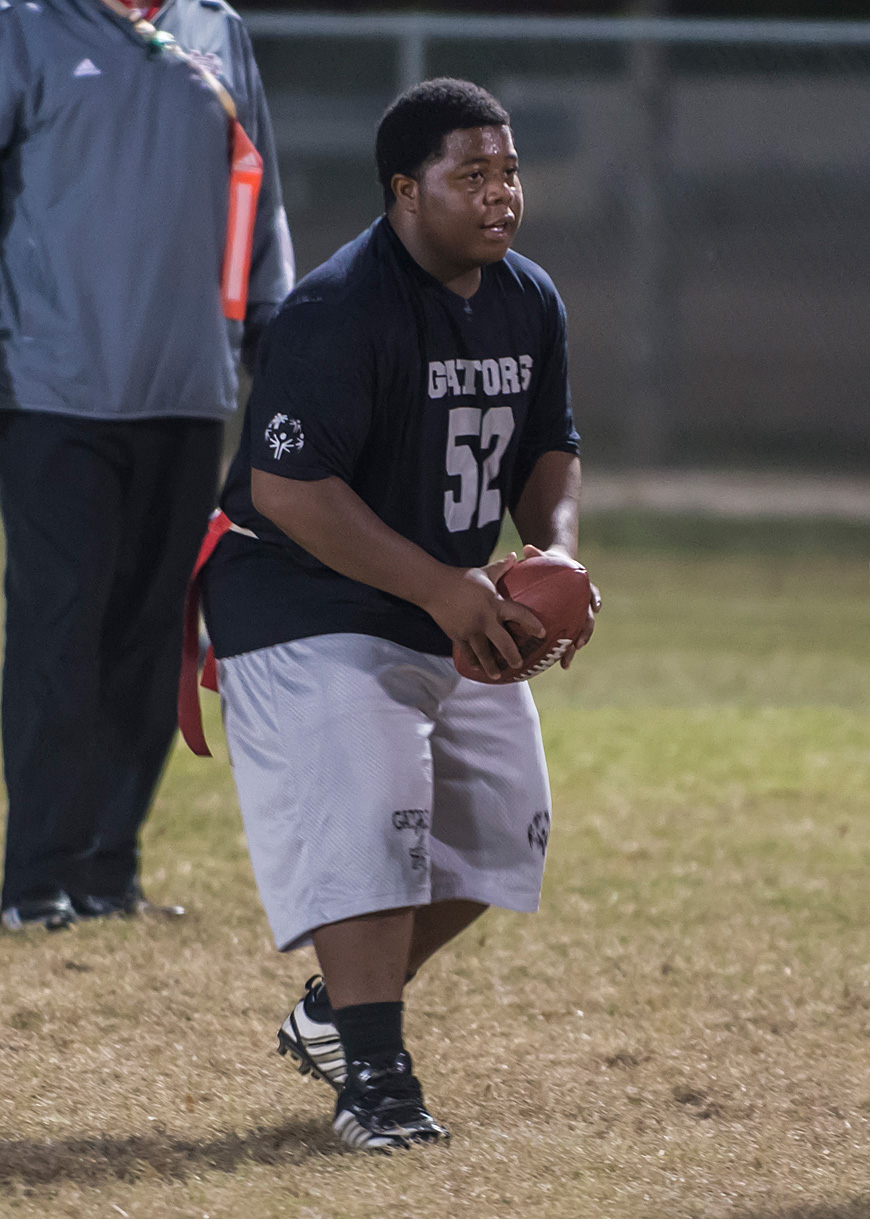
pixel 549 425
pixel 273 269
pixel 13 66
pixel 311 404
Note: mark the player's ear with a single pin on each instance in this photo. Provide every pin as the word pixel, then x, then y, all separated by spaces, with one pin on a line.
pixel 406 189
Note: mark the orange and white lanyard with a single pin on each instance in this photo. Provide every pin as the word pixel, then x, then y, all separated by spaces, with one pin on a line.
pixel 246 169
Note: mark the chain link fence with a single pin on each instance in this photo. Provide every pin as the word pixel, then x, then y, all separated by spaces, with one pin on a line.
pixel 699 190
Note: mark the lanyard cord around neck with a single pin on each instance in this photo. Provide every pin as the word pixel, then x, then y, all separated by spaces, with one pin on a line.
pixel 160 40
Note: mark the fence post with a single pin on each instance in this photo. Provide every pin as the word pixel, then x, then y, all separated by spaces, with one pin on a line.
pixel 650 281
pixel 412 53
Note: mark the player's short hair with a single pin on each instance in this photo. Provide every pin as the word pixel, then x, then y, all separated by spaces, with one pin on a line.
pixel 414 126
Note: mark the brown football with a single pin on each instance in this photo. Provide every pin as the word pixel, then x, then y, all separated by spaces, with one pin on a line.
pixel 558 594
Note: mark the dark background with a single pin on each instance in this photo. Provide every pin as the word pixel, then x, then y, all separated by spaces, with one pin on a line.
pixel 679 8
pixel 754 283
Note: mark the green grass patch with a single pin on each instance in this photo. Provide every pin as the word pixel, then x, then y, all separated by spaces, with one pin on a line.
pixel 680 533
pixel 682 1033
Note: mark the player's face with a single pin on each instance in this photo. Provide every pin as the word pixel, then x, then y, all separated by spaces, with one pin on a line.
pixel 469 199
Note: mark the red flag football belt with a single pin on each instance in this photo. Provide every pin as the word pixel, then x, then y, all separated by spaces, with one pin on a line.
pixel 189 710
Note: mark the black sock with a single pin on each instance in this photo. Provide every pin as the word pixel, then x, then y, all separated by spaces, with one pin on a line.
pixel 318 1007
pixel 370 1030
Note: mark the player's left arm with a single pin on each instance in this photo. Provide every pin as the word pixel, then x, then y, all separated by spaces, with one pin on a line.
pixel 546 517
pixel 545 495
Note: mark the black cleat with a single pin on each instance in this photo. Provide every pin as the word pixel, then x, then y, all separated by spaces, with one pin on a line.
pixel 382 1107
pixel 53 913
pixel 314 1044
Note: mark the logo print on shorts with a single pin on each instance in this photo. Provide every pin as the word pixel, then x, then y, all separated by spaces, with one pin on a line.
pixel 284 434
pixel 416 820
pixel 539 832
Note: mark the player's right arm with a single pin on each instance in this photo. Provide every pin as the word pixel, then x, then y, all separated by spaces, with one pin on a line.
pixel 329 520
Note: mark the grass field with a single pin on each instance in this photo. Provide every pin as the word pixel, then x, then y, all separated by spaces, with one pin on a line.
pixel 682 1033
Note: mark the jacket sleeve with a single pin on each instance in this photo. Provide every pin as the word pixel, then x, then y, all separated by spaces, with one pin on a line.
pixel 273 269
pixel 13 68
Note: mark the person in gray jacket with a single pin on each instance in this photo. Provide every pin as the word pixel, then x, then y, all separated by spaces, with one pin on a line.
pixel 118 360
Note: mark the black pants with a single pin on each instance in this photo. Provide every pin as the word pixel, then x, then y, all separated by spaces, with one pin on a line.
pixel 102 521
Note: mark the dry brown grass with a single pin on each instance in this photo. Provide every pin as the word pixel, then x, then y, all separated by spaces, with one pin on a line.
pixel 683 1033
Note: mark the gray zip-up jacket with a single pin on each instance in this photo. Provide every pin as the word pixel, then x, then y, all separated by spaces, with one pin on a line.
pixel 114 188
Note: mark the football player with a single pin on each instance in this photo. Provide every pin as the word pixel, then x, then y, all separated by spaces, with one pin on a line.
pixel 412 389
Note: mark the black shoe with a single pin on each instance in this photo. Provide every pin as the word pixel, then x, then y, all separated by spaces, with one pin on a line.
pixel 88 905
pixel 134 902
pixel 382 1106
pixel 53 913
pixel 130 904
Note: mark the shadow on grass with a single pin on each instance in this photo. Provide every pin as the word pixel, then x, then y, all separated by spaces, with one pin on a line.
pixel 101 1158
pixel 854 1208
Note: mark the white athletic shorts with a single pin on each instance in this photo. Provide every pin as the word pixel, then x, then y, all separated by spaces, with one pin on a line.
pixel 373 777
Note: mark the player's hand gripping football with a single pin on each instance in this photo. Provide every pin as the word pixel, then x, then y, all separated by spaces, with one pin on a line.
pixel 594 607
pixel 467 606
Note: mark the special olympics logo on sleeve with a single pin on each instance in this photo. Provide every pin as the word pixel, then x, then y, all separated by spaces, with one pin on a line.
pixel 284 435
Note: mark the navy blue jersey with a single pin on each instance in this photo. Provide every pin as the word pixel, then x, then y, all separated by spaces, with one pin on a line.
pixel 432 408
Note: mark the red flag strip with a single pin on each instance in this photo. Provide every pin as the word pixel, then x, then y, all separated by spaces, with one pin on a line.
pixel 189 710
